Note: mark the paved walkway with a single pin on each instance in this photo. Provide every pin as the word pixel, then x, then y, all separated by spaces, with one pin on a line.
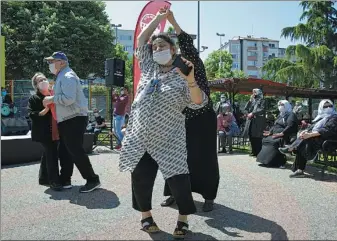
pixel 253 203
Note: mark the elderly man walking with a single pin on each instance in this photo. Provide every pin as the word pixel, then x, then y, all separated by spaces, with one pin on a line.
pixel 72 118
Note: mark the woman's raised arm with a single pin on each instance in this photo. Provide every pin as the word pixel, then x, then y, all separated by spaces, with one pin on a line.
pixel 145 35
pixel 185 40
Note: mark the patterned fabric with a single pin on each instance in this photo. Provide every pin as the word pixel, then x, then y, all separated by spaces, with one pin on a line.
pixel 157 124
pixel 190 53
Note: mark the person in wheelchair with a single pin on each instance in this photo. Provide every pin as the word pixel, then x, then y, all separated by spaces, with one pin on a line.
pixel 310 141
pixel 97 126
pixel 284 128
pixel 227 127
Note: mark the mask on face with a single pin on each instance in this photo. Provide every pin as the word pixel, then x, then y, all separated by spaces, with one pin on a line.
pixel 223 99
pixel 162 57
pixel 122 92
pixel 96 114
pixel 327 110
pixel 281 109
pixel 43 86
pixel 4 93
pixel 52 68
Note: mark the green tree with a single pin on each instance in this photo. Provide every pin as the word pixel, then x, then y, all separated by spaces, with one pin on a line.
pixel 316 61
pixel 36 29
pixel 216 69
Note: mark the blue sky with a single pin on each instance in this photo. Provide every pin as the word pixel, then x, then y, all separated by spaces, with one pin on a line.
pixel 234 18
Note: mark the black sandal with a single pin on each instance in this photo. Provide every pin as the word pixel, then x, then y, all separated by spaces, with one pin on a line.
pixel 149 226
pixel 181 230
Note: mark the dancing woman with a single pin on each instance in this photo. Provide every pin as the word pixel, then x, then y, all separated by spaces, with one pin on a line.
pixel 155 136
pixel 201 131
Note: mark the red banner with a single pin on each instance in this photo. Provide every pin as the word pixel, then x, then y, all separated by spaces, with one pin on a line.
pixel 145 17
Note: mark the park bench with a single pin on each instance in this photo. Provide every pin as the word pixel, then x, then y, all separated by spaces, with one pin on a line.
pixel 327 157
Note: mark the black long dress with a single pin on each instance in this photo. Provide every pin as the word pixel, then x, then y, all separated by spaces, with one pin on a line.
pixel 254 127
pixel 269 154
pixel 201 132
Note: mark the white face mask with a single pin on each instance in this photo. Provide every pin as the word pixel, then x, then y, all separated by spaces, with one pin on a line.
pixel 122 92
pixel 43 86
pixel 52 68
pixel 281 109
pixel 223 99
pixel 162 57
pixel 96 114
pixel 327 110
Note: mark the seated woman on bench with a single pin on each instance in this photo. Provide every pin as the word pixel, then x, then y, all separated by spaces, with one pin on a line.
pixel 310 141
pixel 227 128
pixel 283 129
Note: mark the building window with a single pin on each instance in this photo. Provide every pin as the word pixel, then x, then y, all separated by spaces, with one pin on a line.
pixel 125 37
pixel 251 44
pixel 252 73
pixel 234 56
pixel 272 45
pixel 251 53
pixel 128 48
pixel 252 63
pixel 235 65
pixel 235 47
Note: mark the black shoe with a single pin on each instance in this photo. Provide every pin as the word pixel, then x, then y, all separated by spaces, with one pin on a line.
pixel 67 185
pixel 223 150
pixel 285 150
pixel 168 202
pixel 43 182
pixel 90 186
pixel 252 154
pixel 230 152
pixel 56 186
pixel 208 206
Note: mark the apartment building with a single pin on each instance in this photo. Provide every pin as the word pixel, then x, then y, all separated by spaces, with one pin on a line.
pixel 250 54
pixel 125 38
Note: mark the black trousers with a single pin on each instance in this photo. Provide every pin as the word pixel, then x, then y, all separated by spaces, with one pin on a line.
pixel 301 156
pixel 55 151
pixel 256 143
pixel 72 134
pixel 142 181
pixel 49 167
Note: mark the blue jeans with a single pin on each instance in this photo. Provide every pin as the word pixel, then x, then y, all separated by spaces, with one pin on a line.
pixel 118 123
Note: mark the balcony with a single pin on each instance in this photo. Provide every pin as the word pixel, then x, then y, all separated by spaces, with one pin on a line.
pixel 252 48
pixel 252 67
pixel 252 58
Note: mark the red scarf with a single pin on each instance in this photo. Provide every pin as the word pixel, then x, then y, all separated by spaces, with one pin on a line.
pixel 54 129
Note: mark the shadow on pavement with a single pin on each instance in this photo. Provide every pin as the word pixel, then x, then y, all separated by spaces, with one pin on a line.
pixel 190 236
pixel 223 217
pixel 98 199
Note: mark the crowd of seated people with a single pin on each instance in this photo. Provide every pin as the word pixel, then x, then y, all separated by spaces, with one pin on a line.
pixel 287 135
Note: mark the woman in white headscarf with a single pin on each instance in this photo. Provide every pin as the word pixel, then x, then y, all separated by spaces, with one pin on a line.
pixel 309 142
pixel 283 129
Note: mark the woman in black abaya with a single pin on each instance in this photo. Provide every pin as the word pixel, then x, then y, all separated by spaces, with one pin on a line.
pixel 201 131
pixel 256 121
pixel 284 128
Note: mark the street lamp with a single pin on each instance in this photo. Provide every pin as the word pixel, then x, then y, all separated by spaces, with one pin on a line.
pixel 220 35
pixel 116 26
pixel 199 27
pixel 203 49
